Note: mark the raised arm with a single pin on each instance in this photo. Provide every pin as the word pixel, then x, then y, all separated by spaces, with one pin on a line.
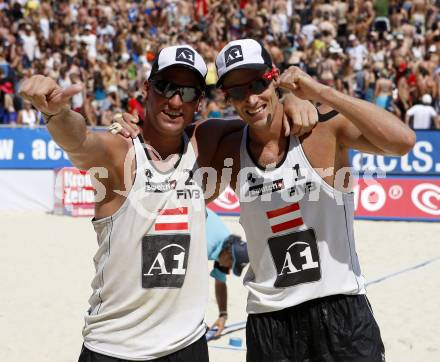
pixel 363 125
pixel 68 128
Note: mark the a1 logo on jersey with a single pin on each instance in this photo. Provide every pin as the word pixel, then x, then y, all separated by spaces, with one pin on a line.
pixel 164 260
pixel 296 258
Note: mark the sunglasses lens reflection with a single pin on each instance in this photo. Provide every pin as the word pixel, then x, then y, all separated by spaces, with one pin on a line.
pixel 168 90
pixel 256 87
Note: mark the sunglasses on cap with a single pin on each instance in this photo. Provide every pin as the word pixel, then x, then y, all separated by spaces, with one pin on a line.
pixel 168 90
pixel 256 86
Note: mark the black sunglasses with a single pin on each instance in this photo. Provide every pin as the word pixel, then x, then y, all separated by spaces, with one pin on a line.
pixel 168 90
pixel 241 92
pixel 257 86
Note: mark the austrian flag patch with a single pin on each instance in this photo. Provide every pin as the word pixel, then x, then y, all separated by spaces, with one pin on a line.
pixel 285 218
pixel 172 219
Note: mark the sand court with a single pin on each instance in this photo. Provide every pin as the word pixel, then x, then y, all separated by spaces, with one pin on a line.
pixel 46 268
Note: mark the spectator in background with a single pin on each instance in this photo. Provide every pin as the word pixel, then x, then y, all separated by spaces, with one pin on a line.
pixel 212 107
pixel 30 43
pixel 120 39
pixel 45 16
pixel 135 104
pixel 89 39
pixel 228 252
pixel 423 116
pixel 77 99
pixel 27 116
pixel 383 94
pixel 7 109
pixel 357 53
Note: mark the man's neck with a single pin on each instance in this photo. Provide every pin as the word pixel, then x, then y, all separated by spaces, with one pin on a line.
pixel 271 132
pixel 268 144
pixel 162 146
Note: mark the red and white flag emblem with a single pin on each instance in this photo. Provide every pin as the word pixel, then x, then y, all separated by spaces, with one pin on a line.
pixel 172 219
pixel 285 218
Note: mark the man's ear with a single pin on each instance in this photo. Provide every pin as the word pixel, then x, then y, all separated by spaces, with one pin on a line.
pixel 145 89
pixel 199 103
pixel 276 74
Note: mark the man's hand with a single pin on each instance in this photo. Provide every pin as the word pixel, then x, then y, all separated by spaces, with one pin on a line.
pixel 301 84
pixel 46 95
pixel 125 124
pixel 300 116
pixel 220 324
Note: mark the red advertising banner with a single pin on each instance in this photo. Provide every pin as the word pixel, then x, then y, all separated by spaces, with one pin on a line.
pixel 392 198
pixel 227 203
pixel 398 199
pixel 74 193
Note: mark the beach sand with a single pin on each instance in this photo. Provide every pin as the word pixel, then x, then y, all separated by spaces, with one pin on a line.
pixel 46 268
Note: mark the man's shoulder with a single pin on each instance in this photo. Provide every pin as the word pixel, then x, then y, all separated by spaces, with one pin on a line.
pixel 418 107
pixel 189 130
pixel 432 110
pixel 202 136
pixel 234 136
pixel 114 143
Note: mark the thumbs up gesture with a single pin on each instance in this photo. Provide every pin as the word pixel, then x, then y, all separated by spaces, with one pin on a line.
pixel 46 95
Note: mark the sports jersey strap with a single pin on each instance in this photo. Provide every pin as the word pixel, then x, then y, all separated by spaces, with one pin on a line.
pixel 243 148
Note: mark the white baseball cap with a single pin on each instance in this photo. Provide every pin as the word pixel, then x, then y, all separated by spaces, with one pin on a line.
pixel 334 48
pixel 241 54
pixel 179 55
pixel 426 99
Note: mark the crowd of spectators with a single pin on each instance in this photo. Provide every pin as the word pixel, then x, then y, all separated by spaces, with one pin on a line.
pixel 383 51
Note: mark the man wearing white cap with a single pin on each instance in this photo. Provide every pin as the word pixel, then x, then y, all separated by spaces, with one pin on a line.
pixel 423 116
pixel 306 292
pixel 150 290
pixel 357 52
pixel 89 38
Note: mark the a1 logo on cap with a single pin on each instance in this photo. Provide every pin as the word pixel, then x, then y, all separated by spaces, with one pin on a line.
pixel 185 55
pixel 233 55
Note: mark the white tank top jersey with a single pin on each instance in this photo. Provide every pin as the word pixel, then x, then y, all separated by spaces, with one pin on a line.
pixel 299 231
pixel 150 290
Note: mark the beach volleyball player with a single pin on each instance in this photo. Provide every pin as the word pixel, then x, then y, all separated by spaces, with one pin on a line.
pixel 150 288
pixel 306 292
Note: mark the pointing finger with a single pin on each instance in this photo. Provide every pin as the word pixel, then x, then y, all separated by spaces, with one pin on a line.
pixel 69 92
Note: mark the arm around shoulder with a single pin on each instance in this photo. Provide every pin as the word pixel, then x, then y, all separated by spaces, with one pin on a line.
pixel 210 133
pixel 369 127
pixel 226 163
